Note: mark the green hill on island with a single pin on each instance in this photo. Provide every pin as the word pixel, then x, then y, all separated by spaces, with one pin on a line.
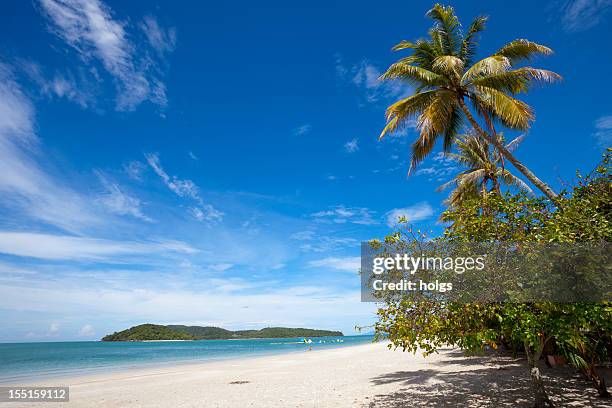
pixel 203 332
pixel 149 331
pixel 274 332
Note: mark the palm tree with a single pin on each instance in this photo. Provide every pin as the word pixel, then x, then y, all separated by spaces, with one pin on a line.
pixel 482 175
pixel 446 79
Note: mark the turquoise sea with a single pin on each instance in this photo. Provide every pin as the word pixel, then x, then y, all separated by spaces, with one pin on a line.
pixel 28 362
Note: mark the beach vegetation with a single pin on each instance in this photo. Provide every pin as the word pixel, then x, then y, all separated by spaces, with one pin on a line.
pixel 580 331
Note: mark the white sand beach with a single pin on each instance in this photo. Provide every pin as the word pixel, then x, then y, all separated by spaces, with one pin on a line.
pixel 357 376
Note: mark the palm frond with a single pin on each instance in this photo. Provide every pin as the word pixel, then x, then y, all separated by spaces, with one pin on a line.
pixel 493 65
pixel 475 151
pixel 515 81
pixel 447 25
pixel 521 49
pixel 402 45
pixel 475 176
pixel 468 46
pixel 463 192
pixel 411 74
pixel 448 65
pixel 423 52
pixel 481 174
pixel 405 109
pixel 510 111
pixel 515 142
pixel 459 158
pixel 433 122
pixel 540 75
pixel 437 41
pixel 391 126
pixel 446 185
pixel 512 180
pixel 454 124
pixel 510 81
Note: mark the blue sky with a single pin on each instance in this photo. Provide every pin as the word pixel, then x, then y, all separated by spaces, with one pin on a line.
pixel 218 164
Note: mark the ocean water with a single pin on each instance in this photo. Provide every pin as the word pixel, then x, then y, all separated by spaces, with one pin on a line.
pixel 28 362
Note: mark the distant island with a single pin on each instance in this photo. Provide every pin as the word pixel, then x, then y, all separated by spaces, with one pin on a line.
pixel 150 332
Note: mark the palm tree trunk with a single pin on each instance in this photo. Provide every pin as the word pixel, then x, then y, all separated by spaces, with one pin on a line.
pixel 541 399
pixel 545 188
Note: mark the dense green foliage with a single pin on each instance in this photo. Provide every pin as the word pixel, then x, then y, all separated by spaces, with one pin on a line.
pixel 203 333
pixel 582 332
pixel 273 332
pixel 148 332
pixel 450 87
pixel 179 332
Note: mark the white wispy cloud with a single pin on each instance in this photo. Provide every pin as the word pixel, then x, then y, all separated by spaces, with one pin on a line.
pixel 351 146
pixel 327 243
pixel 134 169
pixel 307 235
pixel 341 215
pixel 25 186
pixel 310 241
pixel 364 76
pixel 441 167
pixel 302 130
pixel 74 88
pixel 16 111
pixel 346 264
pixel 162 40
pixel 116 200
pixel 206 213
pixel 30 190
pixel 580 15
pixel 67 247
pixel 182 188
pixel 185 188
pixel 417 212
pixel 341 70
pixel 221 267
pixel 603 131
pixel 88 27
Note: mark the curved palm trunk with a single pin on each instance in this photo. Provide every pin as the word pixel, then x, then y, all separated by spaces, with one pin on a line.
pixel 506 153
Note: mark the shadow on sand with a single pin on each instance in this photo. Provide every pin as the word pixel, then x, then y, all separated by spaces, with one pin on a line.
pixel 483 381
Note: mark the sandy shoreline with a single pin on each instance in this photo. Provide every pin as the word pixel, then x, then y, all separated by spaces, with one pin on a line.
pixel 357 376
